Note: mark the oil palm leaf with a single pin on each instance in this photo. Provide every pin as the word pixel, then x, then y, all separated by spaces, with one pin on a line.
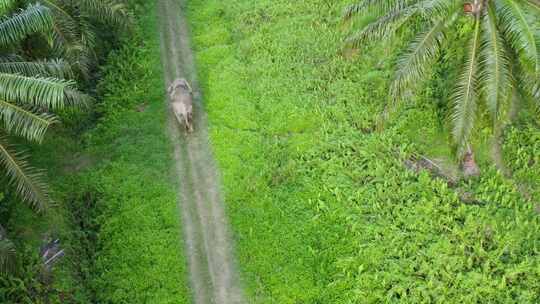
pixel 74 36
pixel 535 4
pixel 25 122
pixel 495 75
pixel 382 28
pixel 26 180
pixel 465 96
pixel 46 93
pixel 373 7
pixel 35 18
pixel 522 31
pixel 413 64
pixel 57 68
pixel 29 91
pixel 107 11
pixel 6 6
pixel 24 103
pixel 503 53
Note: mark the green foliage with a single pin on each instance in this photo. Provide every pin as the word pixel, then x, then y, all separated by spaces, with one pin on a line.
pixel 322 207
pixel 522 153
pixel 26 287
pixel 105 217
pixel 502 52
pixel 26 101
pixel 76 33
pixel 133 228
pixel 7 255
pixel 51 68
pixel 6 6
pixel 34 19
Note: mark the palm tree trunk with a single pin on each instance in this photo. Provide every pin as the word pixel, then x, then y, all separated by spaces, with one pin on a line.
pixel 470 168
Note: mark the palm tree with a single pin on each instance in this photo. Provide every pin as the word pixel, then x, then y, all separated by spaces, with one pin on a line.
pixel 502 59
pixel 74 34
pixel 29 92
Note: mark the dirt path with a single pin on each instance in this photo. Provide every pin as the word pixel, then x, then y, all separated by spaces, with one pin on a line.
pixel 208 243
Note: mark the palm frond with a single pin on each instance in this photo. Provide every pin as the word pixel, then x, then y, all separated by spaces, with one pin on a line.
pixel 35 18
pixel 369 7
pixel 412 66
pixel 26 180
pixel 358 8
pixel 40 92
pixel 465 96
pixel 439 8
pixel 107 11
pixel 502 58
pixel 396 15
pixel 66 28
pixel 74 36
pixel 57 68
pixel 495 75
pixel 68 37
pixel 58 8
pixel 80 58
pixel 521 31
pixel 76 98
pixel 88 34
pixel 427 8
pixel 535 91
pixel 382 27
pixel 74 48
pixel 529 83
pixel 87 56
pixel 23 122
pixel 6 6
pixel 535 4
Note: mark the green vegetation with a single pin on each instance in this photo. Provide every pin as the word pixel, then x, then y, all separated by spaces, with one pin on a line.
pixel 32 87
pixel 76 26
pixel 138 251
pixel 26 99
pixel 323 208
pixel 115 209
pixel 501 64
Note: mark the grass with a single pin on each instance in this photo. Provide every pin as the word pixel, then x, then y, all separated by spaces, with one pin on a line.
pixel 322 207
pixel 117 212
pixel 139 253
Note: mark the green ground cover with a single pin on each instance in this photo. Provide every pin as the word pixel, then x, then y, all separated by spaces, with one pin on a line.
pixel 116 212
pixel 138 257
pixel 322 207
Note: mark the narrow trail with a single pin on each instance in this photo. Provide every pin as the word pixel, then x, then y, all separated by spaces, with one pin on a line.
pixel 213 274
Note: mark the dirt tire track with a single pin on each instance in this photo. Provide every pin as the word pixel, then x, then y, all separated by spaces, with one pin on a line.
pixel 213 274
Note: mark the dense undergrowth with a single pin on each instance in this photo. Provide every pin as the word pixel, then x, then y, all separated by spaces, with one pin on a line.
pixel 138 252
pixel 116 212
pixel 322 206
